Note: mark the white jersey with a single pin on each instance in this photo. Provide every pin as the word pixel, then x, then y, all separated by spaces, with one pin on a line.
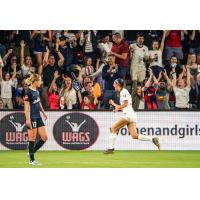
pixel 125 95
pixel 139 54
pixel 158 54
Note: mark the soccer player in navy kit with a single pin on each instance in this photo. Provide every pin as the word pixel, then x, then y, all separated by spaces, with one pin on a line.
pixel 34 122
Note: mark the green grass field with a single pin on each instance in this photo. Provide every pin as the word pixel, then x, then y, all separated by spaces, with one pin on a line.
pixel 96 159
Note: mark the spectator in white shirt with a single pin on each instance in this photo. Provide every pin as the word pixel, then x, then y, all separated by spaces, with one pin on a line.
pixel 26 64
pixel 139 56
pixel 181 89
pixel 104 48
pixel 68 93
pixel 6 87
pixel 155 56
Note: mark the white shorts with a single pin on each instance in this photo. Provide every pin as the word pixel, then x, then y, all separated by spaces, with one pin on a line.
pixel 130 117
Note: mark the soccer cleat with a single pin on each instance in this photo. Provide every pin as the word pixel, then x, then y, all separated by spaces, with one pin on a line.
pixel 34 163
pixel 156 142
pixel 109 151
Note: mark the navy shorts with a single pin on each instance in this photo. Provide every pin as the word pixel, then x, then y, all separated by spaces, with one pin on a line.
pixel 36 122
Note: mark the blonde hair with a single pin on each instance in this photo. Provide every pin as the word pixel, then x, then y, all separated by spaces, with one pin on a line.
pixel 32 79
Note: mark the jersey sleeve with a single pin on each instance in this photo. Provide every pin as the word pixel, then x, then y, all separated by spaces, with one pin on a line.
pixel 26 95
pixel 124 95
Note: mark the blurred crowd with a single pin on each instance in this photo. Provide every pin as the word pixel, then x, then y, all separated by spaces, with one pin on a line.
pixel 161 69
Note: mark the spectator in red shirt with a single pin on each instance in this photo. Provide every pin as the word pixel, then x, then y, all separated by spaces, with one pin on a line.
pixel 120 50
pixel 173 46
pixel 86 103
pixel 53 95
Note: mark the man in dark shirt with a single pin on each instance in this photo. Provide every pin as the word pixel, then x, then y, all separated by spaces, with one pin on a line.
pixel 110 72
pixel 66 49
pixel 173 64
pixel 49 67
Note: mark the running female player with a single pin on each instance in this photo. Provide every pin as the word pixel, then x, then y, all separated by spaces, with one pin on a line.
pixel 128 118
pixel 34 122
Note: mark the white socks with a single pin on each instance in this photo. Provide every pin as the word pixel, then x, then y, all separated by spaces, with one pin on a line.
pixel 144 138
pixel 112 140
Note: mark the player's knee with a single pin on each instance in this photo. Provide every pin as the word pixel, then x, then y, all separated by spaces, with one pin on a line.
pixel 32 138
pixel 134 136
pixel 44 138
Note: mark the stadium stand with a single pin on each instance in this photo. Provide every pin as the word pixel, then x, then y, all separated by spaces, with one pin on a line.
pixel 161 68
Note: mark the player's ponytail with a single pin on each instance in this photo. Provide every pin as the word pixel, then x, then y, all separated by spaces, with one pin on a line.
pixel 32 79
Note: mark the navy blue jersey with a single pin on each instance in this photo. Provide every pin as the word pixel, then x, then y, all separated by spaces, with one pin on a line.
pixel 34 99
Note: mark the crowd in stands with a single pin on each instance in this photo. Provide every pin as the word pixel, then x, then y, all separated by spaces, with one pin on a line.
pixel 161 69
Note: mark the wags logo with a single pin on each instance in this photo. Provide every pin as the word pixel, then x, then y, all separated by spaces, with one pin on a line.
pixel 75 131
pixel 13 132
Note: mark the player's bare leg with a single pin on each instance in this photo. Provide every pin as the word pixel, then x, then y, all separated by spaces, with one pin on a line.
pixel 133 131
pixel 113 136
pixel 43 138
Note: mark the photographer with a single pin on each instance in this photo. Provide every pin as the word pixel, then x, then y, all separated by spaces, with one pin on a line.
pixel 110 73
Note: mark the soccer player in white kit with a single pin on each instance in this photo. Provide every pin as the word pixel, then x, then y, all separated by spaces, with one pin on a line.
pixel 128 118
